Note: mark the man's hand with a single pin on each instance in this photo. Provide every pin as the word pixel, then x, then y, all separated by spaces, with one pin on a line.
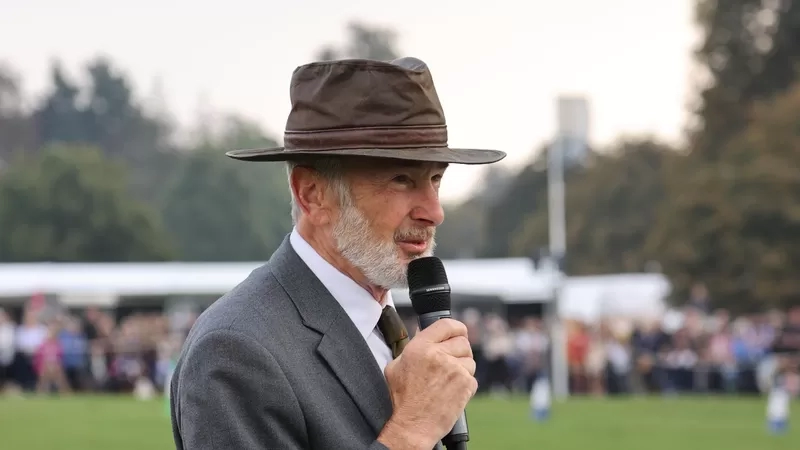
pixel 430 383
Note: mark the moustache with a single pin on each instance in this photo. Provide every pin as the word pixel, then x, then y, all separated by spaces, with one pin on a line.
pixel 415 234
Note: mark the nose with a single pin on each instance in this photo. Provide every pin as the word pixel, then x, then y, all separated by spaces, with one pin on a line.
pixel 427 207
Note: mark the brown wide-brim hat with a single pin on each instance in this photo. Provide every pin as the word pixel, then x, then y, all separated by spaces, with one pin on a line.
pixel 368 108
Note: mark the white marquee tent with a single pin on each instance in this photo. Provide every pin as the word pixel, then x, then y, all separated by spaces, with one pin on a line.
pixel 512 280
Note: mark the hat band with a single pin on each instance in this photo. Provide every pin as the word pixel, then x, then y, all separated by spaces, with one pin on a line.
pixel 426 136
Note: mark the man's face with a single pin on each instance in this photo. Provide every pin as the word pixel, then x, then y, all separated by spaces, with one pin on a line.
pixel 389 218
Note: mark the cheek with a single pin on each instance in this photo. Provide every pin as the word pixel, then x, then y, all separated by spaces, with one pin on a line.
pixel 388 216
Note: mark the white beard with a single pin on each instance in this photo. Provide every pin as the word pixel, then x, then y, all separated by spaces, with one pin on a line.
pixel 379 260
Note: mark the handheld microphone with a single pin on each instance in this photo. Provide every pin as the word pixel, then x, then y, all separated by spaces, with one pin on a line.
pixel 429 291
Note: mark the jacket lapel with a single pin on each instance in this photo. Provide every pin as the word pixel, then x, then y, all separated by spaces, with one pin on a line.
pixel 342 346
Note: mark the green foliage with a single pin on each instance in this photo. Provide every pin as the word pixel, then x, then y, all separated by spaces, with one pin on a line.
pixel 208 212
pixel 750 52
pixel 104 113
pixel 70 204
pixel 527 192
pixel 611 207
pixel 462 233
pixel 735 224
pixel 220 209
pixel 17 132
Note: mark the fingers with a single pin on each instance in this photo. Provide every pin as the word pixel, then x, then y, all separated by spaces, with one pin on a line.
pixel 468 364
pixel 458 347
pixel 442 330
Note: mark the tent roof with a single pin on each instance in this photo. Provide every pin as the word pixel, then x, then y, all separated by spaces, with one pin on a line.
pixel 511 279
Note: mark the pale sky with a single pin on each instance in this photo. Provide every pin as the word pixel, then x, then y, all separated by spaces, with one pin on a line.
pixel 498 65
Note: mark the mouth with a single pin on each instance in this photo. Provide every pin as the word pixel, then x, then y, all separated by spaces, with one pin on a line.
pixel 413 246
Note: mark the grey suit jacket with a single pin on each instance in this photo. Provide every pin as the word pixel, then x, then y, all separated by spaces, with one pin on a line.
pixel 277 364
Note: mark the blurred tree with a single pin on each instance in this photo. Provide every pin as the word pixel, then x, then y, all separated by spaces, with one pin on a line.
pixel 750 51
pixel 611 206
pixel 462 233
pixel 105 114
pixel 778 23
pixel 59 119
pixel 364 41
pixel 735 223
pixel 219 209
pixel 17 133
pixel 70 204
pixel 464 229
pixel 525 192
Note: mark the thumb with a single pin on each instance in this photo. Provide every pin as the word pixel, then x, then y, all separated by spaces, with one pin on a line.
pixel 390 366
pixel 442 330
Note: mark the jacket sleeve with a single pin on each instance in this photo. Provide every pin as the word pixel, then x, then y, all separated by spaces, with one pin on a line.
pixel 229 392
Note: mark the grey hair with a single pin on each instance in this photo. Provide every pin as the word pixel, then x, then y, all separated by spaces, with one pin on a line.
pixel 331 169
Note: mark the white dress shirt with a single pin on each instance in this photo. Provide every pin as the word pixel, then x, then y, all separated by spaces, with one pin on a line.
pixel 359 304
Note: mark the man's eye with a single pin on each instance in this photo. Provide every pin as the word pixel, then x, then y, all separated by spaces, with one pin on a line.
pixel 402 179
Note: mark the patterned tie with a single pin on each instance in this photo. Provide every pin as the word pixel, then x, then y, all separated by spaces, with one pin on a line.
pixel 393 330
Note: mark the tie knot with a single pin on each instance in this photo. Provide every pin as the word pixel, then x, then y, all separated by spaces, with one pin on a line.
pixel 393 330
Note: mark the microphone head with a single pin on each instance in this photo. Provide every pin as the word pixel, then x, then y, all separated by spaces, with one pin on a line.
pixel 424 273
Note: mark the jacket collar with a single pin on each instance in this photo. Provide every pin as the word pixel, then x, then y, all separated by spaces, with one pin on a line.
pixel 342 346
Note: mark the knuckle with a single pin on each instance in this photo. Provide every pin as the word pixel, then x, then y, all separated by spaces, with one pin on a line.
pixel 427 352
pixel 454 375
pixel 473 386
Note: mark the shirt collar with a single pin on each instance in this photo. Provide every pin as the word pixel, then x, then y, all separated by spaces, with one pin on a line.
pixel 359 305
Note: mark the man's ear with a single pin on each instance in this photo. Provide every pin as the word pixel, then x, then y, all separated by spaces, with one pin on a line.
pixel 310 194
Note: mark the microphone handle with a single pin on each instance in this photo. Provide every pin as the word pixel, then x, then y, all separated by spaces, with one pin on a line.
pixel 426 320
pixel 457 438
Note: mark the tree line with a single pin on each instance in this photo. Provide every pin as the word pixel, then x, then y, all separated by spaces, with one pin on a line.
pixel 92 172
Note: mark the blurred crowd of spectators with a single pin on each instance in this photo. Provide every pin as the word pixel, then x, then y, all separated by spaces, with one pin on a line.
pixel 91 351
pixel 702 351
pixel 691 350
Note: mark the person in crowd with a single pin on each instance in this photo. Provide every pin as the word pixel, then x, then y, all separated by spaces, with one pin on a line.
pixel 29 336
pixel 75 349
pixel 680 359
pixel 648 342
pixel 497 347
pixel 578 342
pixel 720 359
pixel 699 298
pixel 7 349
pixel 531 348
pixel 619 365
pixel 48 362
pixel 596 359
pixel 787 343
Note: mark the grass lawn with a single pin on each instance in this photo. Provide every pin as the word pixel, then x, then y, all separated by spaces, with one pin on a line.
pixel 122 423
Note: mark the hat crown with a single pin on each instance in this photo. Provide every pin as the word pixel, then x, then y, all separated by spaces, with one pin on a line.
pixel 359 93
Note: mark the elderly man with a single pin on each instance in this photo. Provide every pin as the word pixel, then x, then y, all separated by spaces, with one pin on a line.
pixel 305 353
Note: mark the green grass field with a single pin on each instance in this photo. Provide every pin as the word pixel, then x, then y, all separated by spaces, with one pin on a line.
pixel 121 423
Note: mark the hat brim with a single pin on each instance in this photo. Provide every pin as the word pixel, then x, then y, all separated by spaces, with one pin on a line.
pixel 437 154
